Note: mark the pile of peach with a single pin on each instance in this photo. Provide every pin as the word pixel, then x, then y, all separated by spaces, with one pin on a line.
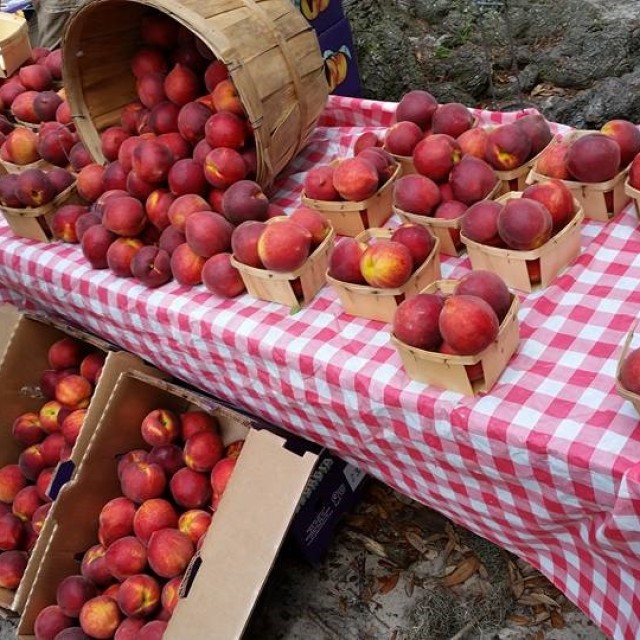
pixel 33 188
pixel 48 437
pixel 464 323
pixel 597 156
pixel 129 580
pixel 382 263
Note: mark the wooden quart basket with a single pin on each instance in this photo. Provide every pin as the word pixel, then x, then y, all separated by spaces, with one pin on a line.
pixel 599 200
pixel 516 179
pixel 452 372
pixel 634 194
pixel 511 265
pixel 278 286
pixel 272 54
pixel 632 397
pixel 15 47
pixel 352 218
pixel 381 304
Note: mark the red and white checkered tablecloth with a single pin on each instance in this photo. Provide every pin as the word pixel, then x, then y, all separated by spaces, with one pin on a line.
pixel 547 464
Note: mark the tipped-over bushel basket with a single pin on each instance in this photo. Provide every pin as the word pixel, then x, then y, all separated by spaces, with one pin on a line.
pixel 271 52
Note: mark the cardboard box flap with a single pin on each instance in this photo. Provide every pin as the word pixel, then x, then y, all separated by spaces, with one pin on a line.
pixel 9 317
pixel 243 541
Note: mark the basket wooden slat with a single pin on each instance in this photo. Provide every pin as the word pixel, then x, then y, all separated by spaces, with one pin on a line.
pixel 270 50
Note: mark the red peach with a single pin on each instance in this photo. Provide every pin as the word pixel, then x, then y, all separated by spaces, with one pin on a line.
pixel 160 427
pixel 151 161
pixel 556 197
pixel 190 489
pixel 313 221
pixel 386 264
pixel 417 106
pixel 186 266
pixel 365 141
pixel 139 595
pixel 142 481
pixel 31 462
pixel 73 592
pixel 524 224
pixel 25 503
pixel 192 119
pixel 536 128
pixel 120 255
pixel 153 630
pixel 124 216
pixel 472 179
pixel 20 147
pixel 318 183
pixel 89 182
pixel 11 532
pixel 553 161
pixel 170 239
pixel 507 148
pixel 163 117
pixel 94 243
pixel 224 129
pixel 179 147
pixel 284 246
pixel 473 142
pixel 417 239
pixel 195 421
pixel 435 156
pixel 222 167
pixel 110 140
pixel 202 450
pixel 220 476
pixel 168 456
pixel 157 207
pixel 91 365
pixel 171 594
pixel 225 98
pixel 452 118
pixel 627 135
pixel 468 324
pixel 355 179
pixel 208 233
pixel 170 551
pixel 415 193
pixel 219 276
pixel 480 223
pixel 594 157
pixel 64 220
pixel 490 287
pixel 244 242
pixel 183 206
pixel 128 629
pixel 38 518
pixel 12 567
pixel 74 391
pixel 100 617
pixel 181 85
pixel 159 30
pixel 51 448
pixel 43 481
pixel 152 266
pixel 148 60
pixel 125 557
pixel 94 566
pixel 402 137
pixel 26 428
pixel 187 176
pixel 50 621
pixel 244 200
pixel 139 188
pixel 115 520
pixel 344 261
pixel 150 89
pixel 153 515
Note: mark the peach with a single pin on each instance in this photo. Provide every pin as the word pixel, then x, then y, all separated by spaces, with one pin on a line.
pixel 72 633
pixel 473 142
pixel 415 193
pixel 219 276
pixel 190 489
pixel 313 221
pixel 43 481
pixel 138 187
pixel 36 77
pixel 38 518
pixel 21 146
pixel 45 105
pixel 163 117
pixel 151 89
pixel 153 515
pixel 64 220
pixel 344 261
pixel 128 629
pixel 474 372
pixel 386 264
pixel 79 157
pixel 170 552
pixel 208 233
pixel 60 179
pixel 50 621
pixel 225 98
pixel 382 160
pixel 72 592
pixel 148 60
pixel 200 151
pixel 91 365
pixel 95 242
pixel 452 118
pixel 202 450
pixel 192 118
pixel 124 216
pixel 181 85
pixel 153 630
pixel 355 179
pixel 125 557
pixel 151 161
pixel 284 246
pixel 223 166
pixel 114 177
pixel 125 152
pixel 436 155
pixel 318 183
pixel 366 140
pixel 244 242
pixel 417 239
pixel 152 266
pixel 627 135
pixel 10 90
pixel 594 157
pixel 415 321
pixel 65 353
pixel 468 324
pixel 157 207
pixel 160 427
pixel 134 455
pixel 139 595
pixel 186 265
pixel 168 456
pixel 130 114
pixel 89 182
pixel 170 239
pixel 634 173
pixel 417 106
pixel 11 532
pixel 629 375
pixel 111 139
pixel 480 223
pixel 100 617
pixel 115 520
pixel 55 147
pixel 64 115
pixel 8 194
pixel 120 255
pixel 507 147
pixel 73 391
pixel 25 503
pixel 220 476
pixel 171 594
pixel 215 72
pixel 536 128
pixel 22 107
pixel 187 177
pixel 192 422
pixel 159 30
pixel 472 179
pixel 12 567
pixel 556 197
pixel 402 137
pixel 194 523
pixel 524 224
pixel 31 462
pixel 225 129
pixel 34 188
pixel 490 287
pixel 244 200
pixel 142 481
pixel 51 448
pixel 50 411
pixel 94 566
pixel 179 147
pixel 26 428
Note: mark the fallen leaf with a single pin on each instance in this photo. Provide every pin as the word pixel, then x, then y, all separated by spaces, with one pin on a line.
pixel 556 619
pixel 388 583
pixel 409 584
pixel 521 621
pixel 462 572
pixel 416 541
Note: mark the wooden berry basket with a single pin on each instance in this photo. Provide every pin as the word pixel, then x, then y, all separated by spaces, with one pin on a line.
pixel 450 371
pixel 271 51
pixel 632 397
pixel 600 201
pixel 10 167
pixel 278 286
pixel 634 194
pixel 516 179
pixel 406 164
pixel 440 227
pixel 15 46
pixel 511 265
pixel 35 222
pixel 352 218
pixel 381 304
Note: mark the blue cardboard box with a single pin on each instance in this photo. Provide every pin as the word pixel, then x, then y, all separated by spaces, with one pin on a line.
pixel 320 14
pixel 341 64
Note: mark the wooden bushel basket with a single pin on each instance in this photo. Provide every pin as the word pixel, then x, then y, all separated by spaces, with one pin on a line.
pixel 271 52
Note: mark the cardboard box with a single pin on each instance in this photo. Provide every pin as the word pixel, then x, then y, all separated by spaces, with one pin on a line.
pixel 340 60
pixel 320 14
pixel 27 339
pixel 247 530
